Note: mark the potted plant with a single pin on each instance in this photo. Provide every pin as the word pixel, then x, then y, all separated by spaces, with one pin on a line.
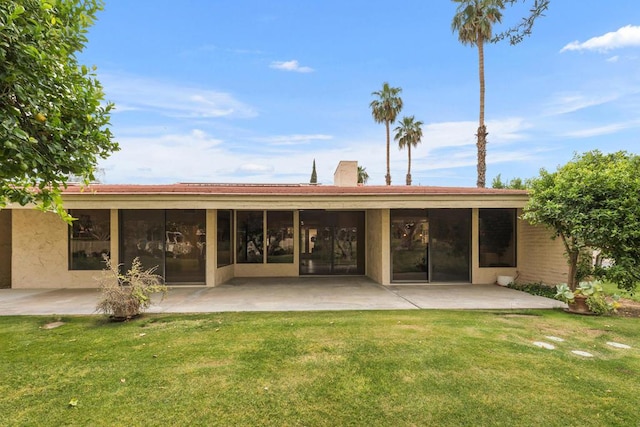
pixel 125 296
pixel 587 298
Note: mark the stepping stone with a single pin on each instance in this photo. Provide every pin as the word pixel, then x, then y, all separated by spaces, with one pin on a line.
pixel 53 325
pixel 618 345
pixel 582 353
pixel 556 339
pixel 544 345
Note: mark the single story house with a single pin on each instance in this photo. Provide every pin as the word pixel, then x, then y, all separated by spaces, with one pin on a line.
pixel 206 234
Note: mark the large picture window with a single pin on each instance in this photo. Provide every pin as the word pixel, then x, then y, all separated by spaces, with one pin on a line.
pixel 497 237
pixel 89 239
pixel 254 246
pixel 224 238
pixel 280 237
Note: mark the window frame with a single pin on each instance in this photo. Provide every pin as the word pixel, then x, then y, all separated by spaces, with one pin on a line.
pixel 77 227
pixel 497 241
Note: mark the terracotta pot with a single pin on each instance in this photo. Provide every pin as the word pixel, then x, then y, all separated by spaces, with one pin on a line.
pixel 579 305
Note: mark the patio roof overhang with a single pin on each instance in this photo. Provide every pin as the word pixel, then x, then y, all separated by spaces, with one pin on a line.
pixel 287 196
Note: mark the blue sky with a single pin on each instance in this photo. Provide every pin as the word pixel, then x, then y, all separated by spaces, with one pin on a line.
pixel 254 90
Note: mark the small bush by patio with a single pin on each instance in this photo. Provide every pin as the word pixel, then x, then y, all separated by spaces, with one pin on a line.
pixel 126 295
pixel 535 288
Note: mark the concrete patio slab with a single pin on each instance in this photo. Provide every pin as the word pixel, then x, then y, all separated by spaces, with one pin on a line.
pixel 285 294
pixel 472 297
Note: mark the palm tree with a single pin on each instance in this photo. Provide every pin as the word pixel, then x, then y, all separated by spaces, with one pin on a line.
pixel 409 134
pixel 363 176
pixel 385 109
pixel 473 21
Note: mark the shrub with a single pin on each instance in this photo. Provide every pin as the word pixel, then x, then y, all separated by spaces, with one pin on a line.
pixel 536 288
pixel 124 296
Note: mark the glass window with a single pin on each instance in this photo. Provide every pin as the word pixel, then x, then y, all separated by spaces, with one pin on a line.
pixel 224 238
pixel 250 237
pixel 409 245
pixel 450 245
pixel 497 237
pixel 173 241
pixel 142 235
pixel 89 238
pixel 280 237
pixel 185 249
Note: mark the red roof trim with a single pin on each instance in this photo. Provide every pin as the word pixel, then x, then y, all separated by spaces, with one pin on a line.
pixel 282 189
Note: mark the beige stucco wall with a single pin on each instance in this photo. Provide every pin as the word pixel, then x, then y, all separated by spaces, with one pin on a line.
pixel 378 260
pixel 39 258
pixel 540 259
pixel 5 248
pixel 39 253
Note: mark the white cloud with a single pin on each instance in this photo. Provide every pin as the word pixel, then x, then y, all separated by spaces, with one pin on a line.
pixel 152 155
pixel 296 139
pixel 292 65
pixel 627 36
pixel 601 130
pixel 456 134
pixel 254 169
pixel 569 102
pixel 614 58
pixel 171 99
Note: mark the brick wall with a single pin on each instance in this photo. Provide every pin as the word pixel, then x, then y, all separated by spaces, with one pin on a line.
pixel 540 259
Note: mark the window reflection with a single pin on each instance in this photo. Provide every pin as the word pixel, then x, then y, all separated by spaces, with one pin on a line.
pixel 280 237
pixel 89 238
pixel 497 237
pixel 250 237
pixel 224 238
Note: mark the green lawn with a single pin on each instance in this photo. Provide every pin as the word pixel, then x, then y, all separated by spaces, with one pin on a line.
pixel 385 368
pixel 612 289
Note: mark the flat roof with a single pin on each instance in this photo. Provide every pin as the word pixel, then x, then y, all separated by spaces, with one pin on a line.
pixel 282 189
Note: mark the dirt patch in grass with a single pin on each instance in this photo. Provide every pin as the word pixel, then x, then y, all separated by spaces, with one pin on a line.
pixel 628 308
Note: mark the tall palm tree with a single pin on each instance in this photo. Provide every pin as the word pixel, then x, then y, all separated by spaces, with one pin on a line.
pixel 473 21
pixel 409 134
pixel 385 109
pixel 363 176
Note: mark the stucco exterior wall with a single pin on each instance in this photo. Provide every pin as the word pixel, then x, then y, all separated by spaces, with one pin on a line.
pixel 5 248
pixel 540 259
pixel 378 259
pixel 39 258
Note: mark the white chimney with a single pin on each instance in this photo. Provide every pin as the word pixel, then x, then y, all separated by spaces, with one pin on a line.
pixel 346 174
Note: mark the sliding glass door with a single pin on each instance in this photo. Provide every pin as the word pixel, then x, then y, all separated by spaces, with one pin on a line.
pixel 450 245
pixel 430 245
pixel 331 242
pixel 173 241
pixel 409 245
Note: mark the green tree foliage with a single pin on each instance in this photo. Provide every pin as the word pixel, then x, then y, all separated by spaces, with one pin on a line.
pixel 385 109
pixel 408 134
pixel 592 203
pixel 513 184
pixel 363 176
pixel 516 33
pixel 314 174
pixel 53 123
pixel 474 21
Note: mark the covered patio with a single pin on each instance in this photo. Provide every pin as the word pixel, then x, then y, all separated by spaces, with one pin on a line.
pixel 281 294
